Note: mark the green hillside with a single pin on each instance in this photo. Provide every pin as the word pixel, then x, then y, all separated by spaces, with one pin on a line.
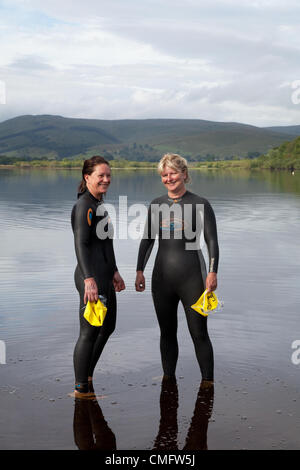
pixel 225 143
pixel 57 138
pixel 49 136
pixel 285 157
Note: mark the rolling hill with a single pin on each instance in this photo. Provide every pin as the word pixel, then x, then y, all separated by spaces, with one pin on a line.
pixel 56 137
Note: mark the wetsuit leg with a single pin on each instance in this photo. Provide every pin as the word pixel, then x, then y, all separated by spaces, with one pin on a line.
pixel 91 341
pixel 105 330
pixel 189 293
pixel 166 304
pixel 83 351
pixel 197 325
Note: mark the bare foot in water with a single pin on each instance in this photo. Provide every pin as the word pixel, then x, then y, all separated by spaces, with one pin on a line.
pixel 90 395
pixel 86 396
pixel 83 396
pixel 206 384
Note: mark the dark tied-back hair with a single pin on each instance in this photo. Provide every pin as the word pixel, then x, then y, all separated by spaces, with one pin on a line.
pixel 88 168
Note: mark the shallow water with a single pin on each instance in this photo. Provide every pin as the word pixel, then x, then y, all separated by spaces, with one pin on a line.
pixel 256 394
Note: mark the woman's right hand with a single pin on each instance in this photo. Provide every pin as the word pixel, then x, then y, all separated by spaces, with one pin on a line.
pixel 139 281
pixel 90 290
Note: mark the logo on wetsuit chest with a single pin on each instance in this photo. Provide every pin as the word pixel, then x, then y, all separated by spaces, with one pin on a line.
pixel 173 224
pixel 89 216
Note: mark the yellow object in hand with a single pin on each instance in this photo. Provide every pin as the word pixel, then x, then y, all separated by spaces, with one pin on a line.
pixel 206 303
pixel 95 313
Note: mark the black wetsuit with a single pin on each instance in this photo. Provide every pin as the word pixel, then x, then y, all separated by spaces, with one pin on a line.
pixel 95 257
pixel 179 273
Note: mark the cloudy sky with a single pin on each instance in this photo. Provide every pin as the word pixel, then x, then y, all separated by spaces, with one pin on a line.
pixel 220 60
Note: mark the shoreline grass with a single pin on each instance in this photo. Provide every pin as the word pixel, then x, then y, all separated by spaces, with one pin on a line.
pixel 239 164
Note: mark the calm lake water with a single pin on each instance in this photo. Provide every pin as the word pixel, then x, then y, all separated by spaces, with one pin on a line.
pixel 256 397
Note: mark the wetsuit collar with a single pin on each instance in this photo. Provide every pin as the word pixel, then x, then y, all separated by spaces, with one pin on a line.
pixel 177 199
pixel 90 195
pixel 93 197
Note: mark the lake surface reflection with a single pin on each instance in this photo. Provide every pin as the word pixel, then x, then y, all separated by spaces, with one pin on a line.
pixel 258 225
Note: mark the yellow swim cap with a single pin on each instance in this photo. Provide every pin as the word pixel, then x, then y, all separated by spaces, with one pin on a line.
pixel 95 313
pixel 206 303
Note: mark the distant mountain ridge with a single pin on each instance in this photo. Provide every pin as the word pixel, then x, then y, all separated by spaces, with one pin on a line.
pixel 290 130
pixel 57 137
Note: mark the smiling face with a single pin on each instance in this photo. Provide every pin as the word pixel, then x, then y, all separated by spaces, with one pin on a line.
pixel 173 180
pixel 99 181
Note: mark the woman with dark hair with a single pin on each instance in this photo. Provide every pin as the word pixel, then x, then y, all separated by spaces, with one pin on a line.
pixel 96 272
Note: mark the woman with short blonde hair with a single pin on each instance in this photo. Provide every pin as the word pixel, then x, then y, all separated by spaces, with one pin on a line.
pixel 176 162
pixel 179 272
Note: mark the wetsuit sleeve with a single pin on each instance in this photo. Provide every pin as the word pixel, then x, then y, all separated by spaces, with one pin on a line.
pixel 82 232
pixel 211 237
pixel 146 244
pixel 113 258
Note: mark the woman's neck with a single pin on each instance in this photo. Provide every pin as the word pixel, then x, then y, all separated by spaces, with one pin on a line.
pixel 177 194
pixel 97 196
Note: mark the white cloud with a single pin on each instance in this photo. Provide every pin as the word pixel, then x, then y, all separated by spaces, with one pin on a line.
pixel 209 60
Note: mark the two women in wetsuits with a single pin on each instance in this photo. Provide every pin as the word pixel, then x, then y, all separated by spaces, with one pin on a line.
pixel 178 219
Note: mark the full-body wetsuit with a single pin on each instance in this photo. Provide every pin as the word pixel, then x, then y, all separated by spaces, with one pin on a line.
pixel 95 257
pixel 179 272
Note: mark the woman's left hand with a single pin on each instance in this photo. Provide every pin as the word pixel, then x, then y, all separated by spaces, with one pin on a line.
pixel 118 282
pixel 211 282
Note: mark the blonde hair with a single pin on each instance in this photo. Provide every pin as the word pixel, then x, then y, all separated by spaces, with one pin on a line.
pixel 176 162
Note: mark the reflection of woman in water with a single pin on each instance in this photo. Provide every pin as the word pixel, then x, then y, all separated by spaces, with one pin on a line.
pixel 196 439
pixel 179 272
pixel 91 431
